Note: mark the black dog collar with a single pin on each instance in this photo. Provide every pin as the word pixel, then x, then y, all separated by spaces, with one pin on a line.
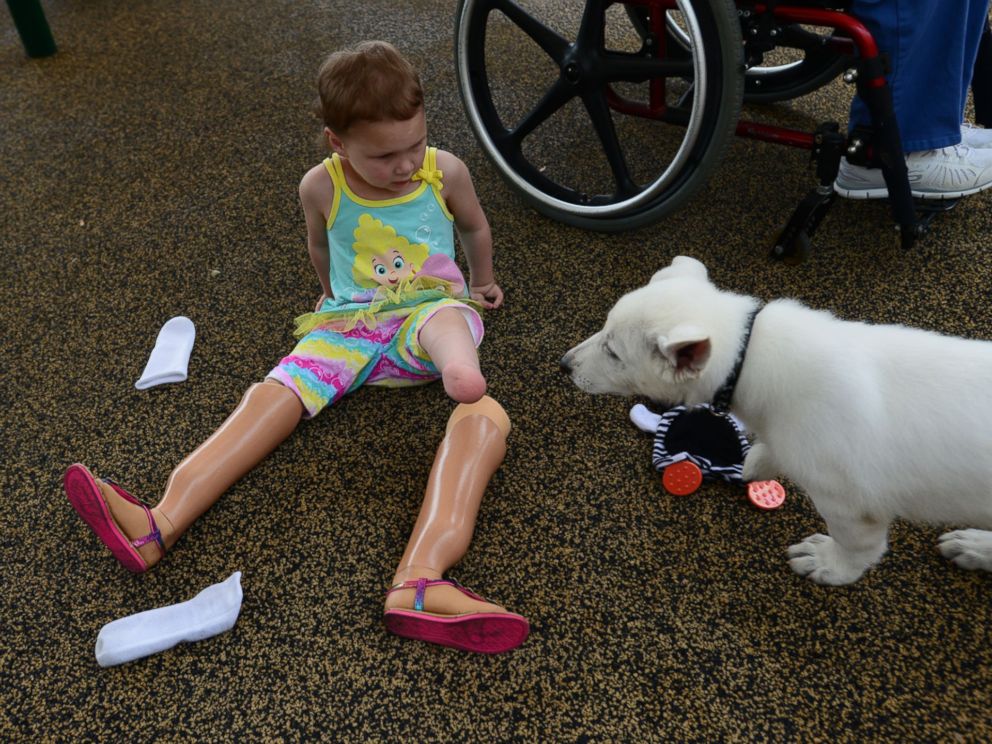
pixel 721 401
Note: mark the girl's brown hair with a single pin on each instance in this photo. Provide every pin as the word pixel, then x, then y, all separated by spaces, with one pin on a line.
pixel 371 81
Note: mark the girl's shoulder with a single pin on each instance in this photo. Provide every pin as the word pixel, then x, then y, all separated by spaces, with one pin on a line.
pixel 316 177
pixel 316 186
pixel 454 170
pixel 445 158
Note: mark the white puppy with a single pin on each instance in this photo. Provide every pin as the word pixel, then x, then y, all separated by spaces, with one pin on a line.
pixel 874 422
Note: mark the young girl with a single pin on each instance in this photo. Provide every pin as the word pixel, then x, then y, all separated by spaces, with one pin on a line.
pixel 394 311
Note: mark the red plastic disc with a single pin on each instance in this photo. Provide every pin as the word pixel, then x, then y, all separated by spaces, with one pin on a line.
pixel 766 494
pixel 682 478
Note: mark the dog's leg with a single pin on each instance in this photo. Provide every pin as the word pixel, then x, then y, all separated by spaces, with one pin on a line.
pixel 854 545
pixel 970 549
pixel 758 464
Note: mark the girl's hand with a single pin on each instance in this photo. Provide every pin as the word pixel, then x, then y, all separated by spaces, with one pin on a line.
pixel 490 296
pixel 320 302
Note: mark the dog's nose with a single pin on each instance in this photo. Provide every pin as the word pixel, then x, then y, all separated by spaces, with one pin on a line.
pixel 565 366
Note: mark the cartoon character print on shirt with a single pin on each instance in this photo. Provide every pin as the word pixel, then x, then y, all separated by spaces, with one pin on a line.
pixel 383 258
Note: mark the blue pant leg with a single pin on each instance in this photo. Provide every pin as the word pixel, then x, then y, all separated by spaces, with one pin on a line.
pixel 931 45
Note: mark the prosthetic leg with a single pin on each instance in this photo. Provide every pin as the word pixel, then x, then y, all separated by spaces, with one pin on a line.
pixel 138 536
pixel 473 447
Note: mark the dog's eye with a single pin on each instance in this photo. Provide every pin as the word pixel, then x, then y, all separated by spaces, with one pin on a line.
pixel 611 354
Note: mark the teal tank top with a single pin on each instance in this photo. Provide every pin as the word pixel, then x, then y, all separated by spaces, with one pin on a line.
pixel 378 247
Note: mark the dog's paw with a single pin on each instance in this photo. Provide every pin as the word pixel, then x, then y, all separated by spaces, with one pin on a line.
pixel 820 559
pixel 968 549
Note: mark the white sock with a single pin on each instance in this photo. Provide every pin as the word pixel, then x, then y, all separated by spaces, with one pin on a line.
pixel 643 418
pixel 212 611
pixel 170 357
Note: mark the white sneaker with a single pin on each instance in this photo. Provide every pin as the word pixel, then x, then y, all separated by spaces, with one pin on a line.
pixel 858 182
pixel 947 173
pixel 977 137
pixel 950 172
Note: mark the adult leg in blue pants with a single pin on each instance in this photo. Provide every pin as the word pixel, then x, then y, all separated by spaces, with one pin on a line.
pixel 931 46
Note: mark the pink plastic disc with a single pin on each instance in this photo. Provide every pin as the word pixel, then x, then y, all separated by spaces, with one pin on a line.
pixel 766 494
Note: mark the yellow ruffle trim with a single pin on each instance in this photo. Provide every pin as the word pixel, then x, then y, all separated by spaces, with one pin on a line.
pixel 409 293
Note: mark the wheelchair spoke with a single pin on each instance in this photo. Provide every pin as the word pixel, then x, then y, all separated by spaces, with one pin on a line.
pixel 549 40
pixel 638 69
pixel 557 96
pixel 602 122
pixel 591 30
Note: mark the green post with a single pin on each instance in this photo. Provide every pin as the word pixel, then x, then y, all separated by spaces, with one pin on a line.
pixel 30 21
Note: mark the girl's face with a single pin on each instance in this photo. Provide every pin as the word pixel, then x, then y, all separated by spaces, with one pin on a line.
pixel 384 154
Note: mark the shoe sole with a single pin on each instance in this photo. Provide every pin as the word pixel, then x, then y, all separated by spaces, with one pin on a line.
pixel 85 497
pixel 929 195
pixel 861 193
pixel 480 632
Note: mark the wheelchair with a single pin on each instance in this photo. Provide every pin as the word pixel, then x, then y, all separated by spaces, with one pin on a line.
pixel 620 119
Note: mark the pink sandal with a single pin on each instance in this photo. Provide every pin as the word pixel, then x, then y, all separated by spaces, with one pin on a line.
pixel 85 496
pixel 482 632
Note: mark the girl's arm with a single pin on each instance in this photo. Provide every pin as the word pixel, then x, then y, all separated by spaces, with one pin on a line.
pixel 473 229
pixel 316 196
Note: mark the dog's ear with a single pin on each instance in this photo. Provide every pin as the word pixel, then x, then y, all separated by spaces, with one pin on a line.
pixel 686 347
pixel 682 266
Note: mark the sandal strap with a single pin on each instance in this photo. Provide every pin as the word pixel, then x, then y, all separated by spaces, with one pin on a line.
pixel 154 535
pixel 466 591
pixel 421 585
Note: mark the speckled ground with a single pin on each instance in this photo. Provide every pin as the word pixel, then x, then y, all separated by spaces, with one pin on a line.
pixel 149 169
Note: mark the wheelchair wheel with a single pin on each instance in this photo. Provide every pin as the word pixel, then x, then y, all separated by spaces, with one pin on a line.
pixel 788 79
pixel 591 123
pixel 799 64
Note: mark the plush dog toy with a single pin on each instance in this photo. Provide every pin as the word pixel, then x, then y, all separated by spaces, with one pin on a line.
pixel 692 444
